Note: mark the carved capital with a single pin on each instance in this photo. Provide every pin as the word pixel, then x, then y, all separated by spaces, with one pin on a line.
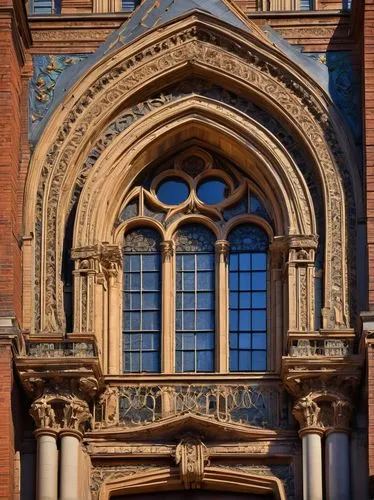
pixel 191 455
pixel 167 250
pixel 76 415
pixel 342 414
pixel 307 413
pixel 43 415
pixel 56 412
pixel 222 250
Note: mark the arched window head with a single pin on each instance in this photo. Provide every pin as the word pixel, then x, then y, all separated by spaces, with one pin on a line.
pixel 142 301
pixel 248 298
pixel 195 299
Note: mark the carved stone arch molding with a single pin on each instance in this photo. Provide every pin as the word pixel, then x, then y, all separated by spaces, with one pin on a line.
pixel 197 44
pixel 233 135
pixel 169 479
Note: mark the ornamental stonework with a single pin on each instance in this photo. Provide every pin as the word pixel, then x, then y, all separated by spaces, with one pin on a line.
pixel 217 57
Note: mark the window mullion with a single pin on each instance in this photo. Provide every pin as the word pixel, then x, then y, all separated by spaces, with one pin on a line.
pixel 168 306
pixel 221 299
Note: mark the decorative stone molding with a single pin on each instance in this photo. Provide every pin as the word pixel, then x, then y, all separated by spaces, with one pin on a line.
pixel 191 455
pixel 204 48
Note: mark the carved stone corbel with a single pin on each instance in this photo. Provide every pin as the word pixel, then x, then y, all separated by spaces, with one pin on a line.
pixel 191 455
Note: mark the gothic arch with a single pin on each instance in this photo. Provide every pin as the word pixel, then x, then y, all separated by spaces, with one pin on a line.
pixel 196 44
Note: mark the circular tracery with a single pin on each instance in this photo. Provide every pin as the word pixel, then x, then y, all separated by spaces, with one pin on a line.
pixel 212 191
pixel 173 191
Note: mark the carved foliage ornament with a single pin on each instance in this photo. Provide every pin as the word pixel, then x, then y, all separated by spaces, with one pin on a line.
pixel 325 413
pixel 56 412
pixel 191 455
pixel 200 46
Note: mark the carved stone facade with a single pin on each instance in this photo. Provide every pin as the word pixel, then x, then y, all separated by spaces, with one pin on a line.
pixel 206 338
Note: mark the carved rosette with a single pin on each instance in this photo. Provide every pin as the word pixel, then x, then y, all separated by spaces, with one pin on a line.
pixel 191 455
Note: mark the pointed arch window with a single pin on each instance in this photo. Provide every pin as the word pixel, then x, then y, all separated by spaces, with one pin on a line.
pixel 142 301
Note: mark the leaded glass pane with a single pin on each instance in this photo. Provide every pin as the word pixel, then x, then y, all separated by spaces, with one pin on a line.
pixel 247 298
pixel 195 298
pixel 142 301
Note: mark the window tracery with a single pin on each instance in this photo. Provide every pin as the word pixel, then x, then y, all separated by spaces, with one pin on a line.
pixel 200 205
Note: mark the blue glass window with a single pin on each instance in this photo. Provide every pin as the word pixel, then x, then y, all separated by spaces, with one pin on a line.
pixel 195 299
pixel 248 298
pixel 173 191
pixel 142 301
pixel 212 191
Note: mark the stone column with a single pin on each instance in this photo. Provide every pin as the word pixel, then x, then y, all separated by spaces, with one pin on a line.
pixel 47 465
pixel 337 458
pixel 47 454
pixel 307 413
pixel 76 415
pixel 222 320
pixel 69 464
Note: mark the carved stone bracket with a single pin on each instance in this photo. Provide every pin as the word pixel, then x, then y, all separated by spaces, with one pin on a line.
pixel 191 455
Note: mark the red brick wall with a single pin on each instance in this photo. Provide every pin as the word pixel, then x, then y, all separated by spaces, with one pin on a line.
pixel 6 424
pixel 10 254
pixel 368 49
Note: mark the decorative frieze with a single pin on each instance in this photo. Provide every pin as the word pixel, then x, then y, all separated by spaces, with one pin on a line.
pixel 66 349
pixel 258 406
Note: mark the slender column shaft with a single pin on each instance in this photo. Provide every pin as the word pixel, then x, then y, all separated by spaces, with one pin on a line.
pixel 69 472
pixel 222 352
pixel 168 306
pixel 337 466
pixel 47 466
pixel 114 323
pixel 312 466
